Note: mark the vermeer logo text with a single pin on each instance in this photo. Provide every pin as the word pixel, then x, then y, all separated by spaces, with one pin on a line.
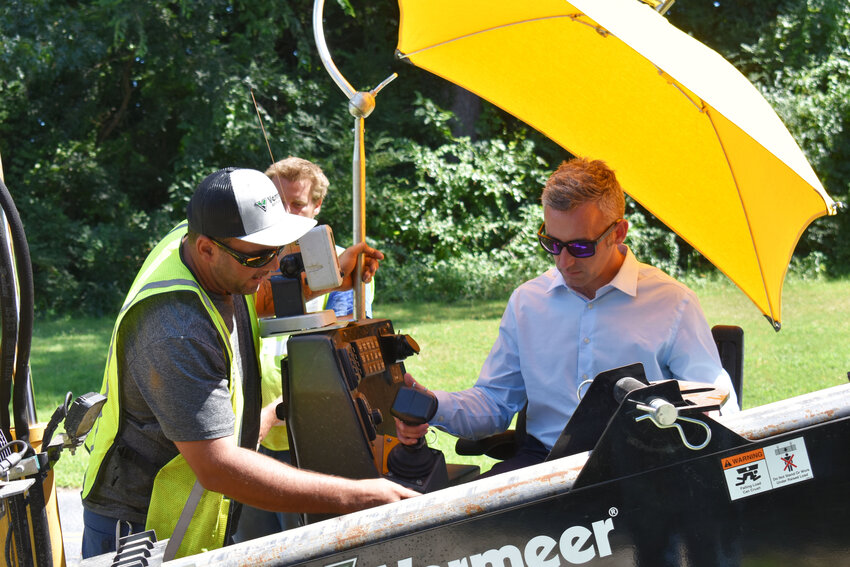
pixel 577 545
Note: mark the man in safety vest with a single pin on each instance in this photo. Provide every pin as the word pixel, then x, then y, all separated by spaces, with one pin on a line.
pixel 173 448
pixel 303 186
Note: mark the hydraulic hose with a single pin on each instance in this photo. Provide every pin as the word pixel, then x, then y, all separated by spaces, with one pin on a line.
pixel 21 392
pixel 8 331
pixel 19 344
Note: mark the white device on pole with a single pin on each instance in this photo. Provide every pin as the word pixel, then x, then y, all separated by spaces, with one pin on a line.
pixel 321 263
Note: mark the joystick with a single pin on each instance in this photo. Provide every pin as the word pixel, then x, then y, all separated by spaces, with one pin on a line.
pixel 417 466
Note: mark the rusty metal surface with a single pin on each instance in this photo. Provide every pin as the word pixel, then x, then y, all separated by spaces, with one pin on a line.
pixel 702 394
pixel 791 414
pixel 384 522
pixel 490 495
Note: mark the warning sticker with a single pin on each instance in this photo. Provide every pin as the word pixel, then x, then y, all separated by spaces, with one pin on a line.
pixel 767 468
pixel 788 462
pixel 743 458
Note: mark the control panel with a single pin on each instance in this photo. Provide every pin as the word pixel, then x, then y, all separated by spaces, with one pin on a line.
pixel 339 385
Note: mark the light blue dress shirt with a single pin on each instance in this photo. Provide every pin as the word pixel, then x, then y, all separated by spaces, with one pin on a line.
pixel 551 339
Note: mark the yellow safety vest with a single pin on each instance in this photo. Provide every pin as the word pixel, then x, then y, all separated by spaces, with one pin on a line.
pixel 177 495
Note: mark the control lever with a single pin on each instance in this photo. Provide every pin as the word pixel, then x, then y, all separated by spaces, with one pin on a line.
pixel 413 406
pixel 396 348
pixel 416 466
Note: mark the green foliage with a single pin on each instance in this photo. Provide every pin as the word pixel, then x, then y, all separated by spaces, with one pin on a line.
pixel 111 111
pixel 458 218
pixel 810 267
pixel 798 53
pixel 806 68
pixel 115 111
pixel 650 242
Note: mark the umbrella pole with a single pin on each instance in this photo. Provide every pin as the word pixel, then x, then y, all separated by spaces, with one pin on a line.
pixel 360 105
pixel 358 194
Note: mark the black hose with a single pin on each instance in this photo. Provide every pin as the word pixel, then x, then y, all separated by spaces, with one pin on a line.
pixel 8 334
pixel 8 546
pixel 58 417
pixel 21 389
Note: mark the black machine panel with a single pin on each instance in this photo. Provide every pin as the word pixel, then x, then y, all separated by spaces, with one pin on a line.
pixel 339 386
pixel 645 498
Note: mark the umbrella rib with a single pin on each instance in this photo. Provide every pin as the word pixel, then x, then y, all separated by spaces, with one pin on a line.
pixel 707 112
pixel 675 84
pixel 704 109
pixel 574 17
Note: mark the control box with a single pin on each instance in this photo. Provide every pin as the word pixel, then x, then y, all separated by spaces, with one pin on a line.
pixel 339 385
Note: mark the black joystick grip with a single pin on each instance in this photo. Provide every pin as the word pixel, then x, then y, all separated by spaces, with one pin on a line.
pixel 414 407
pixel 416 466
pixel 398 347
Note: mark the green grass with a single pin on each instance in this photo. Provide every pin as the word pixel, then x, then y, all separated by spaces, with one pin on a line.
pixel 810 353
pixel 68 355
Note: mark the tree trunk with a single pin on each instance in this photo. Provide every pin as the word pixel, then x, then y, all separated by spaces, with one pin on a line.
pixel 466 107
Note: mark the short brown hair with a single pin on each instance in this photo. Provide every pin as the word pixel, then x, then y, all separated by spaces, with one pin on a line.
pixel 296 169
pixel 579 181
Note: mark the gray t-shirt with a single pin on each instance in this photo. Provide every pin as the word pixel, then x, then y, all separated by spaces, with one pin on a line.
pixel 173 377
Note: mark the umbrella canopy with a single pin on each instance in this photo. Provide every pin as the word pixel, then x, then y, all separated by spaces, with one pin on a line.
pixel 689 136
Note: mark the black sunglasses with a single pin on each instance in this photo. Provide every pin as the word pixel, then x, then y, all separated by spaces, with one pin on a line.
pixel 250 261
pixel 576 248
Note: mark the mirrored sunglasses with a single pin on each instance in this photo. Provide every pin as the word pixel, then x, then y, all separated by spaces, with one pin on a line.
pixel 576 248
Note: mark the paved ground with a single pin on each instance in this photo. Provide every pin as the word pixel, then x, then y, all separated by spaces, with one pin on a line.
pixel 71 518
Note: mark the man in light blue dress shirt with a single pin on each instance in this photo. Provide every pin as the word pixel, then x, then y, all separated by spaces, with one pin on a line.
pixel 598 308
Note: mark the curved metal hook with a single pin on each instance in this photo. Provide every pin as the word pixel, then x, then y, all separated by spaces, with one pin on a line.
pixel 325 54
pixel 360 105
pixel 580 386
pixel 681 432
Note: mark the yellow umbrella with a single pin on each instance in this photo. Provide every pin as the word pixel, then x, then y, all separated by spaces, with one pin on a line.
pixel 689 137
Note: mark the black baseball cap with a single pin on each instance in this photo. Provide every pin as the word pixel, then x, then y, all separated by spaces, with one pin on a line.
pixel 243 204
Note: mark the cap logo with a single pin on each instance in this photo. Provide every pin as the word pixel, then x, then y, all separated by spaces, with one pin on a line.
pixel 269 201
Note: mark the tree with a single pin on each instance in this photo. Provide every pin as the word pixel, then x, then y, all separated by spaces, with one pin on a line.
pixel 805 73
pixel 111 111
pixel 797 52
pixel 116 110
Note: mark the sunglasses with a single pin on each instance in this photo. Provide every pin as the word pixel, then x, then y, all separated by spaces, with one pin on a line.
pixel 576 248
pixel 257 261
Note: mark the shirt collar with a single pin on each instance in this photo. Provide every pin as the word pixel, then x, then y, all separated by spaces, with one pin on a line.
pixel 625 280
